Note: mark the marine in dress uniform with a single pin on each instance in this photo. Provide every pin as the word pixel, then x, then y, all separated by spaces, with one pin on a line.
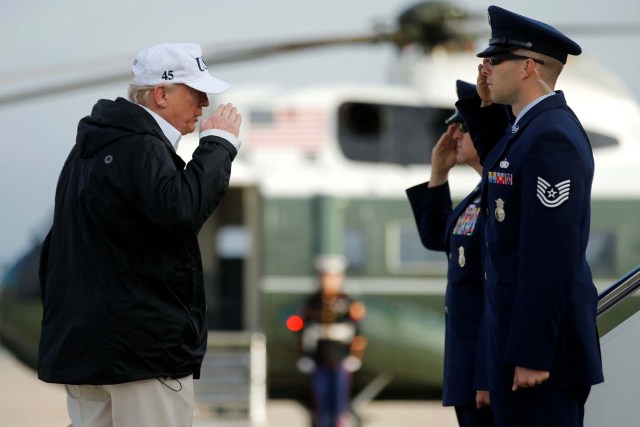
pixel 331 343
pixel 541 301
pixel 459 232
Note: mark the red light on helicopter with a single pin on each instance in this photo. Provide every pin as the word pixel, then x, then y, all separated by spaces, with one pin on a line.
pixel 295 323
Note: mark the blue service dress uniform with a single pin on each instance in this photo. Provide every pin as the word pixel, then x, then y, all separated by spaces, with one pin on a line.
pixel 329 329
pixel 460 233
pixel 541 311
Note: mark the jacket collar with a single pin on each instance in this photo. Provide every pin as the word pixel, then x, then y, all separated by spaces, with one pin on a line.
pixel 547 103
pixel 151 125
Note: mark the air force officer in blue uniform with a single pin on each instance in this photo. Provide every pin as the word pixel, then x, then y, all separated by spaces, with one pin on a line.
pixel 459 232
pixel 544 351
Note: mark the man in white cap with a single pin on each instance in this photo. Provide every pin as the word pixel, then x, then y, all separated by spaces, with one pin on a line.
pixel 124 309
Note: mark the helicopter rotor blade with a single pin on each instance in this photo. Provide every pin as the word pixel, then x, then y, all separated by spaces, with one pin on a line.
pixel 261 51
pixel 212 56
pixel 59 88
pixel 427 24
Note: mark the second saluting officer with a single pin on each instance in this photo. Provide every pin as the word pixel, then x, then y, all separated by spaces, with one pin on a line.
pixel 460 233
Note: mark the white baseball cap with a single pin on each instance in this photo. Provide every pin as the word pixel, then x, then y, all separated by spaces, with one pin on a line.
pixel 175 63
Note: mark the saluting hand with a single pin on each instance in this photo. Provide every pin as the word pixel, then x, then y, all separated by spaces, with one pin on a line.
pixel 482 86
pixel 443 157
pixel 226 117
pixel 525 377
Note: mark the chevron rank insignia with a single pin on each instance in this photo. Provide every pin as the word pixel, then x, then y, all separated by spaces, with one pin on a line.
pixel 553 196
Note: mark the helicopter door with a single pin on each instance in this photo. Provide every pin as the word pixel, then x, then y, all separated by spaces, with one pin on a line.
pixel 228 242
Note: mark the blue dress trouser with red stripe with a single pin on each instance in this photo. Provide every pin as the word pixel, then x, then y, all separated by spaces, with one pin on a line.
pixel 331 391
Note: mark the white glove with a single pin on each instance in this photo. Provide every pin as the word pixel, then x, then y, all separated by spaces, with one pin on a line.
pixel 306 365
pixel 351 364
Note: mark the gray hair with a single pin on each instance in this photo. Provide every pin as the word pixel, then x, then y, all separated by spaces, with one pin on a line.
pixel 140 93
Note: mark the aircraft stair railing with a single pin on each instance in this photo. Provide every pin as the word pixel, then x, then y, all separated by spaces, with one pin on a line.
pixel 614 402
pixel 233 377
pixel 625 286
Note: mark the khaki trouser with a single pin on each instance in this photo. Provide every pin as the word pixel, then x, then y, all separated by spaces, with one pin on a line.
pixel 159 402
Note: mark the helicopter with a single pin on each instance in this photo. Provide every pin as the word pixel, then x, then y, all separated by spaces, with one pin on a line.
pixel 323 169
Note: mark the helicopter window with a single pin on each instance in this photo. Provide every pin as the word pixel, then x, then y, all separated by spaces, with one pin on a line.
pixel 355 248
pixel 599 140
pixel 361 119
pixel 405 253
pixel 397 134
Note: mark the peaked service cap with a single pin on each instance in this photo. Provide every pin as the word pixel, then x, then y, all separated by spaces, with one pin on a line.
pixel 464 90
pixel 327 263
pixel 511 31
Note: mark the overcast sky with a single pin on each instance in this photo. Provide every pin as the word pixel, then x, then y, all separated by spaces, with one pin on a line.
pixel 42 39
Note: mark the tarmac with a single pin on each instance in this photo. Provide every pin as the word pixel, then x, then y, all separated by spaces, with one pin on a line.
pixel 26 401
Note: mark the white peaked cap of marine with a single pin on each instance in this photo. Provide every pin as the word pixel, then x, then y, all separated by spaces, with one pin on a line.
pixel 175 63
pixel 330 263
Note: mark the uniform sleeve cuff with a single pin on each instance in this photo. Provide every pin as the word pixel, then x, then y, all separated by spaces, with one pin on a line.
pixel 223 134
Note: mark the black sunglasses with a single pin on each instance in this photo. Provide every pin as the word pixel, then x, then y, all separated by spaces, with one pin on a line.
pixel 497 59
pixel 461 126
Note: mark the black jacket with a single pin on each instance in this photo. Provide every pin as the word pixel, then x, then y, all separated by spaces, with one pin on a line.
pixel 121 271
